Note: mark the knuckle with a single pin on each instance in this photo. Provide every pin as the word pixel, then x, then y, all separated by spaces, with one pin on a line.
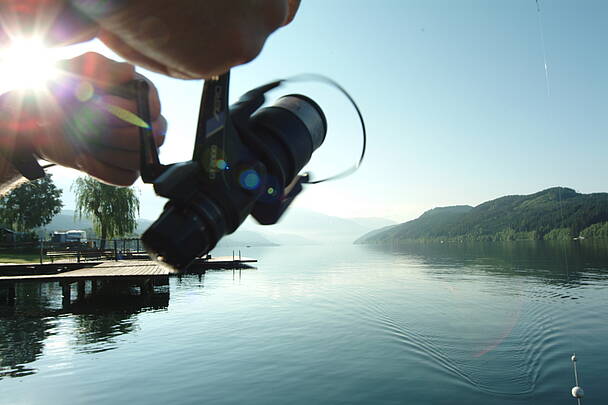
pixel 276 12
pixel 129 179
pixel 245 47
pixel 125 179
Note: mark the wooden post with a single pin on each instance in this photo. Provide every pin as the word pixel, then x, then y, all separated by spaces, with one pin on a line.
pixel 81 290
pixel 239 255
pixel 66 291
pixel 115 251
pixel 12 294
pixel 137 245
pixel 41 248
pixel 146 287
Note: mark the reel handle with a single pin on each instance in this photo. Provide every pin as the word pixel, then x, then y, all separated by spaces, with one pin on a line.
pixel 138 90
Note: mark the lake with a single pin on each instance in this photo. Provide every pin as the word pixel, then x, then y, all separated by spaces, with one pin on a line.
pixel 419 324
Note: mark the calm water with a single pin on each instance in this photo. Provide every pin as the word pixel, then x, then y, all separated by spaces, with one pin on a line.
pixel 434 324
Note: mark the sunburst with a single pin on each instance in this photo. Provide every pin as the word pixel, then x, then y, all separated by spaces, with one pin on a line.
pixel 26 64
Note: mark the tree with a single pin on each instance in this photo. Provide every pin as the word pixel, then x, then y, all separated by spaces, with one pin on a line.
pixel 113 210
pixel 31 205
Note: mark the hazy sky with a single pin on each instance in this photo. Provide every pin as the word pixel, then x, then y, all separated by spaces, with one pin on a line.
pixel 454 94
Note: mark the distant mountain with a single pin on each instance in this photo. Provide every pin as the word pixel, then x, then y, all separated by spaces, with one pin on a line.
pixel 556 213
pixel 142 225
pixel 300 226
pixel 372 234
pixel 297 227
pixel 288 239
pixel 66 220
pixel 245 238
pixel 372 222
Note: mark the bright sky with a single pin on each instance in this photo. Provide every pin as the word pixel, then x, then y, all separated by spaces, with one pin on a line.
pixel 454 94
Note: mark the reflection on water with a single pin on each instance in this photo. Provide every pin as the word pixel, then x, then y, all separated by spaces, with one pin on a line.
pixel 33 315
pixel 437 323
pixel 562 262
pixel 502 337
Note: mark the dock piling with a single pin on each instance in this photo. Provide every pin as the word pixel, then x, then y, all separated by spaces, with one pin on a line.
pixel 41 248
pixel 80 290
pixel 66 291
pixel 11 293
pixel 146 287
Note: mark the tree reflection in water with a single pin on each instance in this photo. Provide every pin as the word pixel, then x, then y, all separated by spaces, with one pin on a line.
pixel 31 318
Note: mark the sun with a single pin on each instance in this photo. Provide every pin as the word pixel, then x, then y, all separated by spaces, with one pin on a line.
pixel 26 64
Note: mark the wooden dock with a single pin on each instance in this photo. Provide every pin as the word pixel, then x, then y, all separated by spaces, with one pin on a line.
pixel 142 274
pixel 121 268
pixel 220 263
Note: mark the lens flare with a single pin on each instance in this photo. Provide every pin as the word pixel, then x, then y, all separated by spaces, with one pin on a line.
pixel 125 115
pixel 221 164
pixel 26 64
pixel 249 179
pixel 84 91
pixel 272 187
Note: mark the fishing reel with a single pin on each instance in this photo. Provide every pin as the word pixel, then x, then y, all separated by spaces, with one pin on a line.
pixel 246 160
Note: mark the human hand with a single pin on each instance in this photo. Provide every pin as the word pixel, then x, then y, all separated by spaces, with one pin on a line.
pixel 75 124
pixel 53 22
pixel 188 39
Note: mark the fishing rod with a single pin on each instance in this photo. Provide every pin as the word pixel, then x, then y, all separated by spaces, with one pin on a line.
pixel 246 161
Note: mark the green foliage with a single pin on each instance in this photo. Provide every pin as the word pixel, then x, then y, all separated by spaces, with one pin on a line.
pixel 31 205
pixel 555 214
pixel 596 231
pixel 27 237
pixel 113 210
pixel 559 234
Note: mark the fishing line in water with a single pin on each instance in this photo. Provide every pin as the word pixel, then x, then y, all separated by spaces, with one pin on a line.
pixel 542 41
pixel 577 392
pixel 560 202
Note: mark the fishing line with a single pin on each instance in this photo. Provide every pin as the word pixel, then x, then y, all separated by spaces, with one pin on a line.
pixel 542 41
pixel 561 213
pixel 315 77
pixel 577 391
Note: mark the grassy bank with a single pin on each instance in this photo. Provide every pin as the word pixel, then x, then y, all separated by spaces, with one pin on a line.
pixel 20 257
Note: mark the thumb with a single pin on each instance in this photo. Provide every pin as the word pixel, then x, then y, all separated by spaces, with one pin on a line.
pixel 98 70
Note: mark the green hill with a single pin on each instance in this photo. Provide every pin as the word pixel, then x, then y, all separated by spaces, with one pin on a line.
pixel 554 214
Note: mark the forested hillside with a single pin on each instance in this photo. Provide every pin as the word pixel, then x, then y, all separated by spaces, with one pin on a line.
pixel 554 214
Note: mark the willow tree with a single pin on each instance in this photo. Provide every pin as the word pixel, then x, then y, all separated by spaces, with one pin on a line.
pixel 113 210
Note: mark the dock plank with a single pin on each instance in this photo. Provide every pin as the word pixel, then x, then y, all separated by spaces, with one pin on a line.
pixel 126 268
